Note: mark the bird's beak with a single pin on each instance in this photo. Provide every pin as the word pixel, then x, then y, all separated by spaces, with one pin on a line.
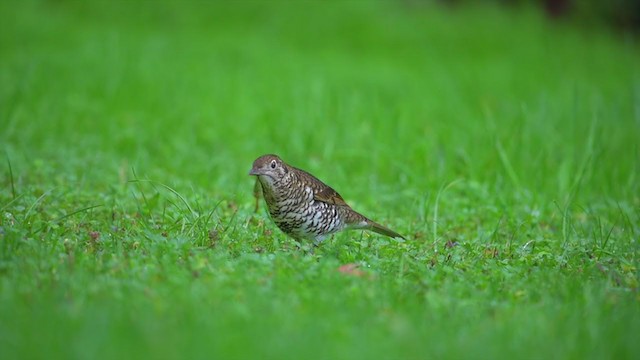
pixel 254 171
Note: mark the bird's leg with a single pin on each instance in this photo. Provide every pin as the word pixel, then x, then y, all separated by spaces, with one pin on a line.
pixel 309 249
pixel 304 246
pixel 257 193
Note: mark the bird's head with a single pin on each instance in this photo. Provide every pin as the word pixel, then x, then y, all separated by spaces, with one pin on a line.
pixel 269 168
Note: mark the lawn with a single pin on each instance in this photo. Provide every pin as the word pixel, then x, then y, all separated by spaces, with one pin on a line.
pixel 503 145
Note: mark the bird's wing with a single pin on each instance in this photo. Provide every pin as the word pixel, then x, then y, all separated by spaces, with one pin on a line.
pixel 329 196
pixel 321 191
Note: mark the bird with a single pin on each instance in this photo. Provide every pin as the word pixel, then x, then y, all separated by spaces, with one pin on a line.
pixel 304 207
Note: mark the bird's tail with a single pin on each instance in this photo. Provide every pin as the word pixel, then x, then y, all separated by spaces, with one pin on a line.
pixel 383 230
pixel 356 220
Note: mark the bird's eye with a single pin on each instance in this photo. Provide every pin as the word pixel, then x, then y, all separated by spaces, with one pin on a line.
pixel 273 164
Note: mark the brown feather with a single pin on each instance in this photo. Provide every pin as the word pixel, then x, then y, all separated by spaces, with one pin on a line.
pixel 321 191
pixel 329 196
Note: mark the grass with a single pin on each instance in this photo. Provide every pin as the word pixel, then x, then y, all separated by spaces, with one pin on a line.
pixel 504 146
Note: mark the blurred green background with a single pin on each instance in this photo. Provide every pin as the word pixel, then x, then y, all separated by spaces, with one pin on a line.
pixel 122 84
pixel 500 137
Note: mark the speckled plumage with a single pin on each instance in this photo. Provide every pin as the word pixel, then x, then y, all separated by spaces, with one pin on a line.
pixel 304 207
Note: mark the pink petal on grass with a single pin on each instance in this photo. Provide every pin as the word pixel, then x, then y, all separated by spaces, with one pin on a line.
pixel 351 269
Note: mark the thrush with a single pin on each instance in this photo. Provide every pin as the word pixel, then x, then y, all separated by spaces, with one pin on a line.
pixel 304 207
